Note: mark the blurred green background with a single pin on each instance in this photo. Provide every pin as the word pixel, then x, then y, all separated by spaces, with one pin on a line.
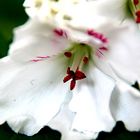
pixel 12 15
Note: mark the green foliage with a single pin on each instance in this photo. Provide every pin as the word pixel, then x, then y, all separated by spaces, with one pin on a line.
pixel 11 15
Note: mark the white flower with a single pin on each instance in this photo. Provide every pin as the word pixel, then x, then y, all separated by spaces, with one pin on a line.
pixel 43 57
pixel 71 77
pixel 123 10
pixel 53 11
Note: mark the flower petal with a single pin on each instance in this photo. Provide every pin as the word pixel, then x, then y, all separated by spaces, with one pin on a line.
pixel 116 9
pixel 91 105
pixel 35 39
pixel 125 104
pixel 120 61
pixel 31 96
pixel 32 7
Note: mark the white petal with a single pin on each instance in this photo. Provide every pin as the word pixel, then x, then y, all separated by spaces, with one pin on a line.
pixel 63 122
pixel 32 95
pixel 115 9
pixel 32 7
pixel 120 60
pixel 125 104
pixel 35 39
pixel 91 104
pixel 124 53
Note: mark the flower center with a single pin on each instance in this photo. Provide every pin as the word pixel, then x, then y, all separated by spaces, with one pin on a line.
pixel 78 56
pixel 134 6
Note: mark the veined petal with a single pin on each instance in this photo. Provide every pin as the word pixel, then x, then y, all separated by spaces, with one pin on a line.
pixel 35 39
pixel 29 100
pixel 125 104
pixel 123 54
pixel 91 105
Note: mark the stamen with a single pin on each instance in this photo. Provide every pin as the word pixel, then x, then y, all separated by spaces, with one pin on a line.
pixel 85 60
pixel 72 84
pixel 68 54
pixel 78 75
pixel 136 2
pixel 138 20
pixel 138 13
pixel 103 48
pixel 138 16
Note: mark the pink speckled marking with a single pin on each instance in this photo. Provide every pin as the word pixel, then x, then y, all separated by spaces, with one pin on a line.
pixel 97 35
pixel 100 51
pixel 40 58
pixel 60 32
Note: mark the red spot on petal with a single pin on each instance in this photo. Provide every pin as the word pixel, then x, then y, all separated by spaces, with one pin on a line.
pixel 90 32
pixel 35 60
pixel 103 48
pixel 97 35
pixel 40 58
pixel 58 32
pixel 43 57
pixel 105 40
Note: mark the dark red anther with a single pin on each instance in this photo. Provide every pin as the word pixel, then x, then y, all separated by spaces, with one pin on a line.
pixel 68 54
pixel 72 84
pixel 78 75
pixel 67 78
pixel 68 70
pixel 138 20
pixel 85 60
pixel 138 13
pixel 136 2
